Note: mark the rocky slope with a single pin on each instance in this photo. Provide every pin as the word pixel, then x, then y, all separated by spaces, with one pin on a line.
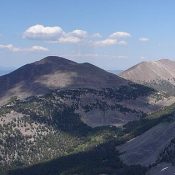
pixel 155 148
pixel 157 74
pixel 52 73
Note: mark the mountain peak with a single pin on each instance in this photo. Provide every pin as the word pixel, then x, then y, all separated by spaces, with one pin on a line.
pixel 165 60
pixel 162 61
pixel 55 60
pixel 52 73
pixel 149 70
pixel 158 74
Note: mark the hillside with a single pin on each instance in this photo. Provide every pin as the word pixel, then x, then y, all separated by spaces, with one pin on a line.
pixel 53 73
pixel 76 148
pixel 61 112
pixel 112 100
pixel 52 126
pixel 63 122
pixel 155 147
pixel 157 74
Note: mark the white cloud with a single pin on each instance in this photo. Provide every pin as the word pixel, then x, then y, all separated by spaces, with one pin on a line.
pixel 75 36
pixel 120 35
pixel 58 35
pixel 43 32
pixel 9 47
pixel 144 39
pixel 123 43
pixel 69 39
pixel 105 42
pixel 114 38
pixel 55 34
pixel 97 35
pixel 12 48
pixel 78 33
pixel 38 48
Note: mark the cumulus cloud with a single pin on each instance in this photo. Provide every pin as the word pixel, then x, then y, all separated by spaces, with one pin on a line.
pixel 69 39
pixel 78 33
pixel 123 43
pixel 12 48
pixel 55 34
pixel 75 36
pixel 144 39
pixel 38 48
pixel 114 38
pixel 97 35
pixel 120 35
pixel 105 42
pixel 40 32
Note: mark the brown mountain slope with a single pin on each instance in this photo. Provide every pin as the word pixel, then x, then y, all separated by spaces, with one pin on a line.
pixel 157 74
pixel 52 73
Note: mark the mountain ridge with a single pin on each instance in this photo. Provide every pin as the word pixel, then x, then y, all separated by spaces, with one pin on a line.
pixel 58 109
pixel 52 73
pixel 158 74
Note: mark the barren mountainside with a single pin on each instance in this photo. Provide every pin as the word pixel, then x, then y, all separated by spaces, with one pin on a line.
pixel 157 74
pixel 151 70
pixel 53 73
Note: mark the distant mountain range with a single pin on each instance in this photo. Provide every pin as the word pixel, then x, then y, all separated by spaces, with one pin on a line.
pixel 58 117
pixel 157 74
pixel 52 73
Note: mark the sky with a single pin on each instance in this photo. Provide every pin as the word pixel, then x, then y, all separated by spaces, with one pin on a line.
pixel 112 34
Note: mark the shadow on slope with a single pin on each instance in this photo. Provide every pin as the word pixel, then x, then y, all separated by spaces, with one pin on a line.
pixel 55 72
pixel 102 159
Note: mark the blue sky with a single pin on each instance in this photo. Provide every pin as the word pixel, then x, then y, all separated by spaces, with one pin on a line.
pixel 112 34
